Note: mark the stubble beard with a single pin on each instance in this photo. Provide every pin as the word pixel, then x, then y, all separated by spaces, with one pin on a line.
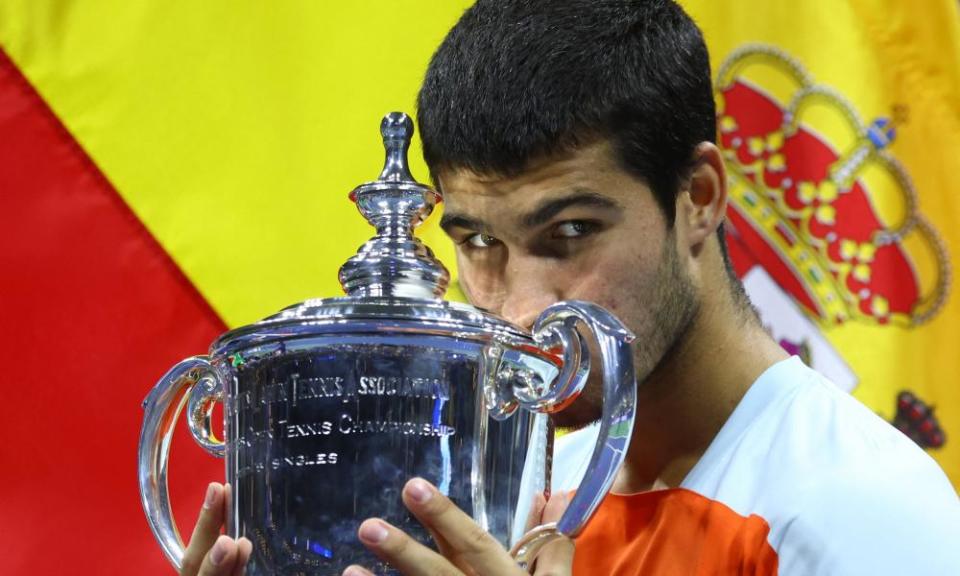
pixel 669 309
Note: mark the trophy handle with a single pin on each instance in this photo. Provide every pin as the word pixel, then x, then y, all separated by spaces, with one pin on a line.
pixel 555 327
pixel 193 382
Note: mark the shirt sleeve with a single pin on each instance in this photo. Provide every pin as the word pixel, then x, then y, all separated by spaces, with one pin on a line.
pixel 885 522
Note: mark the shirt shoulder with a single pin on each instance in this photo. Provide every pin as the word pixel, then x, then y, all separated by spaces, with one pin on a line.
pixel 669 532
pixel 844 492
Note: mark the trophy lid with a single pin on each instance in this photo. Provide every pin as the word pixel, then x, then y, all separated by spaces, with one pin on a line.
pixel 395 262
pixel 393 282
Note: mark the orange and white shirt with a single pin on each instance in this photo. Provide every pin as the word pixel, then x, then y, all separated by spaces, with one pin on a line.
pixel 802 480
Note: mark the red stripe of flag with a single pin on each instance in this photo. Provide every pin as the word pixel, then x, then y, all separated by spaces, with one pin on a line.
pixel 93 311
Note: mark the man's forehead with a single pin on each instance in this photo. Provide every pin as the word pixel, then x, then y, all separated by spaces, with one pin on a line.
pixel 527 205
pixel 556 174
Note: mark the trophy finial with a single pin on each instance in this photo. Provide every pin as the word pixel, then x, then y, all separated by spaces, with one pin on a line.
pixel 394 262
pixel 396 128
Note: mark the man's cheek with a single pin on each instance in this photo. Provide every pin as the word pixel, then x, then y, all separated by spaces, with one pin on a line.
pixel 480 292
pixel 593 284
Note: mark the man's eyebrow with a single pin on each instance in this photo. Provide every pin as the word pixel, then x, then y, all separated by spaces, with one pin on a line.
pixel 539 216
pixel 459 221
pixel 550 208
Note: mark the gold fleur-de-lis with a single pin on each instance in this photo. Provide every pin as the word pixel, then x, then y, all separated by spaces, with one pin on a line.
pixel 826 214
pixel 728 124
pixel 775 141
pixel 860 254
pixel 880 306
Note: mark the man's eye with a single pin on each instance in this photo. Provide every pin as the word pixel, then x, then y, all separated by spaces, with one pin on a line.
pixel 481 241
pixel 573 229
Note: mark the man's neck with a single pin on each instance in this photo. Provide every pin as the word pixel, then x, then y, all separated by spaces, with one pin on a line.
pixel 683 404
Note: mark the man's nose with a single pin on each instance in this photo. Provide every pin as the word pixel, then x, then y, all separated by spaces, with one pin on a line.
pixel 530 289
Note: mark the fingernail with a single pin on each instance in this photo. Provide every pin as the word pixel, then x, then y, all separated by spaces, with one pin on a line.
pixel 219 551
pixel 211 496
pixel 373 532
pixel 356 571
pixel 419 490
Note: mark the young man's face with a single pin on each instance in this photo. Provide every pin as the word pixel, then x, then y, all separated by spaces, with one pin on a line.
pixel 572 227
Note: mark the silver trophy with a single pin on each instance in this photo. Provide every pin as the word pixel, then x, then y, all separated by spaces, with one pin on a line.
pixel 331 405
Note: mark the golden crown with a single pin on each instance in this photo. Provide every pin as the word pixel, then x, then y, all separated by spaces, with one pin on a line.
pixel 808 213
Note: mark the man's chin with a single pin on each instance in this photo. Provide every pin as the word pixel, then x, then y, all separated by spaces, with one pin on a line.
pixel 576 416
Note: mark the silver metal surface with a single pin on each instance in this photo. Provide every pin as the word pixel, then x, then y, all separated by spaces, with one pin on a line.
pixel 331 405
pixel 373 315
pixel 394 262
pixel 203 397
pixel 619 406
pixel 526 549
pixel 162 408
pixel 519 386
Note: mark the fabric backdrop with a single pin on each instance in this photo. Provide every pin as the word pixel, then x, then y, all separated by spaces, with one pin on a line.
pixel 171 170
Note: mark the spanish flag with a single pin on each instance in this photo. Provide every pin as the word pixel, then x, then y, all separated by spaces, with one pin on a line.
pixel 172 170
pixel 840 124
pixel 168 171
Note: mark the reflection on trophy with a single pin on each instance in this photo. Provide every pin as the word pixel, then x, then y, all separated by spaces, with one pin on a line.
pixel 331 405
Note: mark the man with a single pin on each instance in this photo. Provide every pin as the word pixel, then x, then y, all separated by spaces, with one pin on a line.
pixel 574 144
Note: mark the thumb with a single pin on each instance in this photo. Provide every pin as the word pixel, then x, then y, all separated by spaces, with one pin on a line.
pixel 556 558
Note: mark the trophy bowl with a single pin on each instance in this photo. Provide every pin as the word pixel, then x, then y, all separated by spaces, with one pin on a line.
pixel 331 405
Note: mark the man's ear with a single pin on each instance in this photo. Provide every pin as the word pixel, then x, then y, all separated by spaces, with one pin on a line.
pixel 703 206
